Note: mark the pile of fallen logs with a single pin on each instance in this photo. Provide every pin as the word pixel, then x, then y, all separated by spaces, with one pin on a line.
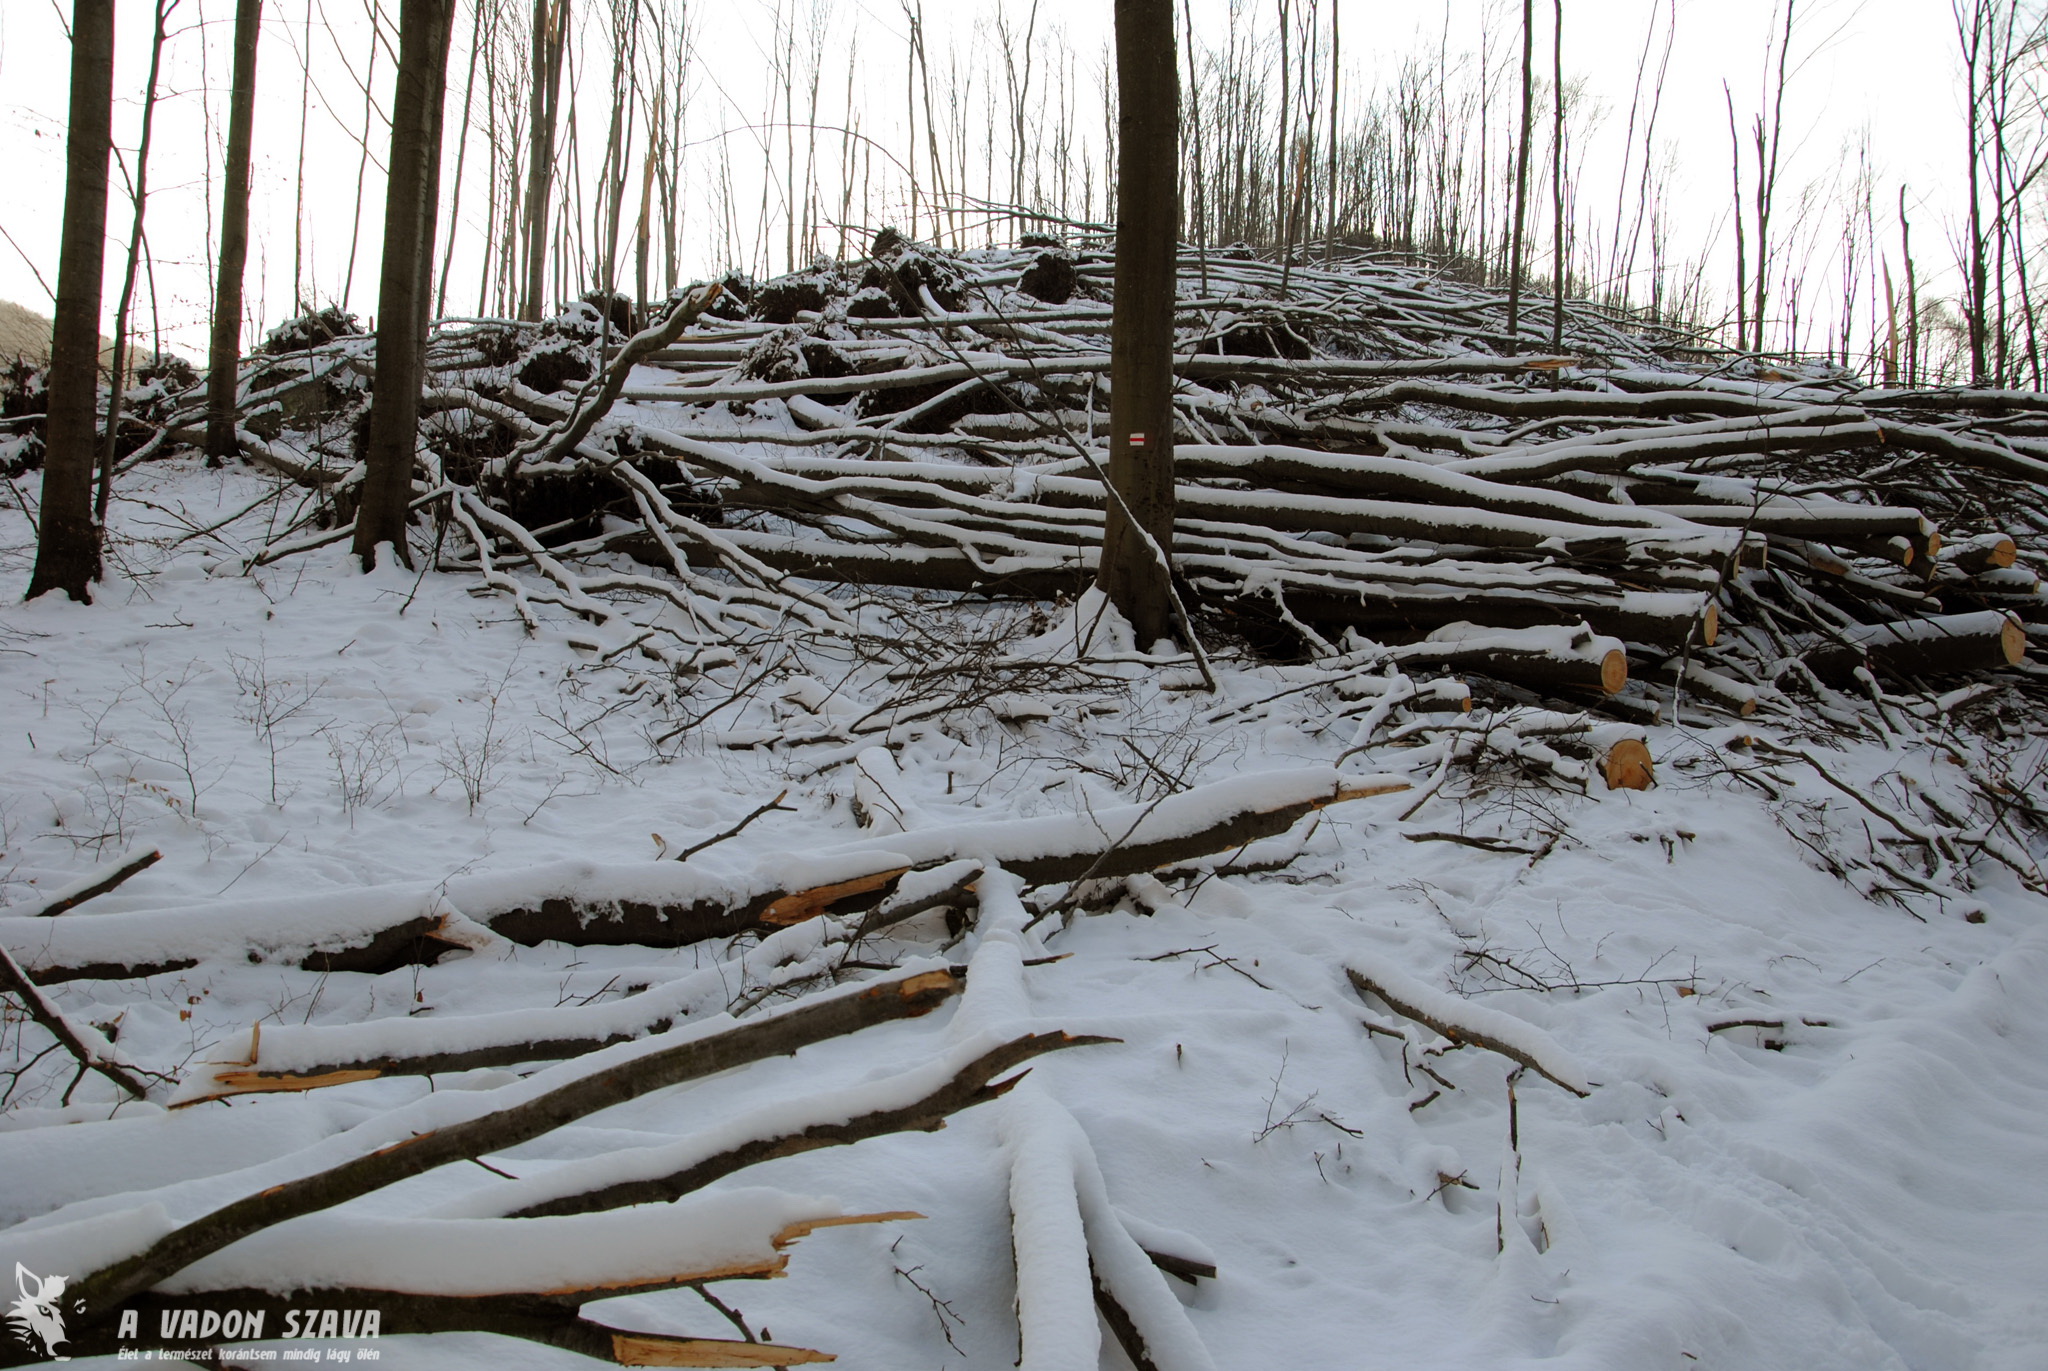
pixel 1361 460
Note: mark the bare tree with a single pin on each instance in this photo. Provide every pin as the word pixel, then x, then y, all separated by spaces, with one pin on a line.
pixel 1522 171
pixel 403 297
pixel 550 39
pixel 225 356
pixel 136 245
pixel 1557 156
pixel 68 541
pixel 1139 532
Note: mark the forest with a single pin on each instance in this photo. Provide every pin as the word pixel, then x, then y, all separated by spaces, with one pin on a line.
pixel 989 685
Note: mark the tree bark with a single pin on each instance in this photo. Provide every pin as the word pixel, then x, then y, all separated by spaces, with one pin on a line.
pixel 68 541
pixel 225 357
pixel 1134 574
pixel 122 362
pixel 402 298
pixel 1522 174
pixel 1557 226
pixel 771 1035
pixel 550 30
pixel 974 1083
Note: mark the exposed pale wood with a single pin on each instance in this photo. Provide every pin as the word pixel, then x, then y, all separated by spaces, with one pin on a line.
pixel 645 1349
pixel 794 908
pixel 1627 766
pixel 249 1082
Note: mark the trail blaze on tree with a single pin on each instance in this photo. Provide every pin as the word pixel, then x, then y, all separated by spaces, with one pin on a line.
pixel 1134 570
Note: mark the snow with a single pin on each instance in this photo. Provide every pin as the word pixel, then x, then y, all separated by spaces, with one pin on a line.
pixel 1865 1186
pixel 1465 1019
pixel 703 1233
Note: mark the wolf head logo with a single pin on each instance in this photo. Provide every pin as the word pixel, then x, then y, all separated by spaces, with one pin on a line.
pixel 38 1316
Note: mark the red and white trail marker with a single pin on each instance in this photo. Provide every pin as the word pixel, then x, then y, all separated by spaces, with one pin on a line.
pixel 1137 440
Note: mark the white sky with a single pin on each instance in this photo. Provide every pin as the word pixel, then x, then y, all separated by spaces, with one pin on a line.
pixel 1885 64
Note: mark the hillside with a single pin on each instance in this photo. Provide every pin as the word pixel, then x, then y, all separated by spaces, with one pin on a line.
pixel 1582 908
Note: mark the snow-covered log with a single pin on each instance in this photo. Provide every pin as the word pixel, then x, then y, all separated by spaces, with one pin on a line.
pixel 494 1120
pixel 448 1275
pixel 667 904
pixel 1940 645
pixel 1568 658
pixel 1075 1256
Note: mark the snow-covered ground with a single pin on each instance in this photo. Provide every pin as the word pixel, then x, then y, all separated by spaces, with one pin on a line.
pixel 1861 1185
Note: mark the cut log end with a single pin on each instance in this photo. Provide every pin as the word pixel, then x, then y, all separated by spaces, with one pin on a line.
pixel 1614 670
pixel 1710 624
pixel 1627 766
pixel 2012 640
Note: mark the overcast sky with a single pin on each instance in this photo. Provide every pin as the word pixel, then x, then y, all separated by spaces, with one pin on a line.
pixel 1885 65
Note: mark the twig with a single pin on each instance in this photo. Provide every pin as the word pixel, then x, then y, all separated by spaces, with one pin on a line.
pixel 736 829
pixel 96 885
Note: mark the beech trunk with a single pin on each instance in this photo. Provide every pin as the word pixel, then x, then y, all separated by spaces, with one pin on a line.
pixel 409 213
pixel 68 541
pixel 1134 571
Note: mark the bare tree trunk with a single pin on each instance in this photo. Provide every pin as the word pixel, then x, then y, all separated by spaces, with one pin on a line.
pixel 1767 183
pixel 1200 198
pixel 1741 241
pixel 402 297
pixel 355 230
pixel 224 360
pixel 121 361
pixel 550 36
pixel 1558 263
pixel 1972 39
pixel 1282 163
pixel 476 41
pixel 1139 529
pixel 1330 220
pixel 68 541
pixel 1522 173
pixel 299 303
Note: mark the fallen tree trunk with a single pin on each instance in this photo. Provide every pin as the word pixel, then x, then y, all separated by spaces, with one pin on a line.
pixel 373 932
pixel 1942 645
pixel 551 1321
pixel 666 904
pixel 1559 658
pixel 380 1277
pixel 823 1122
pixel 636 1071
pixel 1820 521
pixel 1660 618
pixel 1985 552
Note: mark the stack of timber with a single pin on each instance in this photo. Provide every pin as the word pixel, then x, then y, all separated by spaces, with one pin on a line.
pixel 1364 460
